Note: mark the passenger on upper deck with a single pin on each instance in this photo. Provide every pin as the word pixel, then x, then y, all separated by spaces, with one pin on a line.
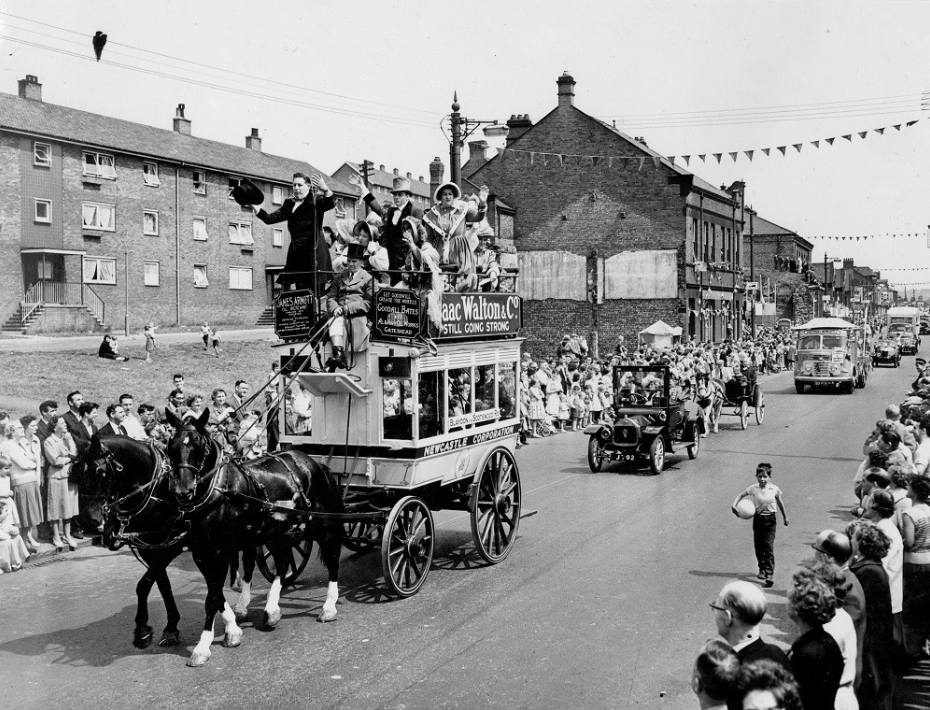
pixel 422 269
pixel 349 300
pixel 392 236
pixel 368 233
pixel 446 226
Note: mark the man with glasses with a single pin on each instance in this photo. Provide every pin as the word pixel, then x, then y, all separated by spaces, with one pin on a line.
pixel 176 403
pixel 738 613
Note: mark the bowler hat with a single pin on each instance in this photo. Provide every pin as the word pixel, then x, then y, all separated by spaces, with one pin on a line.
pixel 246 193
pixel 401 185
pixel 355 251
pixel 456 192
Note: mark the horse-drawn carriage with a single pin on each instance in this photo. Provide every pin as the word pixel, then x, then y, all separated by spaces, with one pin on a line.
pixel 413 425
pixel 735 397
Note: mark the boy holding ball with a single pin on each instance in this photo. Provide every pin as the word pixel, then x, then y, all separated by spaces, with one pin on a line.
pixel 765 496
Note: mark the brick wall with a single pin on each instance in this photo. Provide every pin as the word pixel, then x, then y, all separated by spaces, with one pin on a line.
pixel 11 272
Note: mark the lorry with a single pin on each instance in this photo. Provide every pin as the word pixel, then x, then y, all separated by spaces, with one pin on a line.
pixel 904 324
pixel 832 353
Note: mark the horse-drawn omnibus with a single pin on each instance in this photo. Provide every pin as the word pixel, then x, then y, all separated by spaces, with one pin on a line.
pixel 414 424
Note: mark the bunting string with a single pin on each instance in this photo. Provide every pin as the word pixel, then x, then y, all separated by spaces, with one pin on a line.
pixel 861 237
pixel 621 162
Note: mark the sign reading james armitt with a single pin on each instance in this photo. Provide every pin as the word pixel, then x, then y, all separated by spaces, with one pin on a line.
pixel 293 314
pixel 398 314
pixel 480 315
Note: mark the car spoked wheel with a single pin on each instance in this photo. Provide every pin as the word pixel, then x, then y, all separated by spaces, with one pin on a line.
pixel 657 456
pixel 595 454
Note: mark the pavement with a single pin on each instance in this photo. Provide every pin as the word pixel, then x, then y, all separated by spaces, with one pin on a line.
pixel 51 343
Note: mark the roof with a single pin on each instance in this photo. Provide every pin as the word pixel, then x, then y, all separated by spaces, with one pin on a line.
pixel 94 130
pixel 660 327
pixel 382 178
pixel 762 227
pixel 466 183
pixel 817 323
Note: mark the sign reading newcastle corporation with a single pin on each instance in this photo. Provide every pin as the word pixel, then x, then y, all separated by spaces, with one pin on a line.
pixel 479 315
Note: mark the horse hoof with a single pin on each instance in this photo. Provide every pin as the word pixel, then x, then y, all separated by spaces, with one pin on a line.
pixel 326 615
pixel 232 639
pixel 143 637
pixel 272 618
pixel 170 638
pixel 198 659
pixel 241 615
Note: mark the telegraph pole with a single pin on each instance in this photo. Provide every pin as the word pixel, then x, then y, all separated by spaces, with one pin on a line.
pixel 366 168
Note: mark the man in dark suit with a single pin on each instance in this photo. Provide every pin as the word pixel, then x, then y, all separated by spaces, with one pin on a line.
pixel 308 250
pixel 392 236
pixel 81 441
pixel 349 299
pixel 114 426
pixel 738 612
pixel 239 396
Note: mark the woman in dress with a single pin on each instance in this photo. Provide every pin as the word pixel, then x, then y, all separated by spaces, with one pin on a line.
pixel 149 333
pixel 308 259
pixel 916 521
pixel 13 550
pixel 446 226
pixel 60 452
pixel 25 453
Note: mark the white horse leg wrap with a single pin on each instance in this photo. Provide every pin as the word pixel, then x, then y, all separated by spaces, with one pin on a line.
pixel 332 596
pixel 229 619
pixel 274 594
pixel 245 598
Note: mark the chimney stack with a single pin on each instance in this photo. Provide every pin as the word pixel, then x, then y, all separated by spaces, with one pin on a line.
pixel 436 171
pixel 477 154
pixel 396 172
pixel 254 141
pixel 566 90
pixel 30 88
pixel 381 168
pixel 518 125
pixel 181 124
pixel 409 176
pixel 848 263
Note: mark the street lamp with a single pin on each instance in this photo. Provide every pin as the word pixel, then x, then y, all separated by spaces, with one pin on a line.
pixel 462 128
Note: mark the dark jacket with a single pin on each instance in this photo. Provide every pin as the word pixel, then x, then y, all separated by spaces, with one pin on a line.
pixel 878 645
pixel 817 664
pixel 759 650
pixel 392 233
pixel 304 224
pixel 108 430
pixel 78 432
pixel 352 292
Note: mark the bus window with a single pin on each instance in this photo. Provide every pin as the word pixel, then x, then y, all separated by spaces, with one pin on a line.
pixel 396 403
pixel 507 389
pixel 484 388
pixel 431 396
pixel 834 341
pixel 809 342
pixel 460 397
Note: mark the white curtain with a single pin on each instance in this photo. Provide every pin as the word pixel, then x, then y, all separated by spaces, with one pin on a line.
pixel 89 215
pixel 200 276
pixel 200 229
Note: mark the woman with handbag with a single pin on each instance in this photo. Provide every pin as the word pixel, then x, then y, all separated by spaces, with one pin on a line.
pixel 60 452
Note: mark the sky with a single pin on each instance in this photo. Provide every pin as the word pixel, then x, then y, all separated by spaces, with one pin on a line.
pixel 333 81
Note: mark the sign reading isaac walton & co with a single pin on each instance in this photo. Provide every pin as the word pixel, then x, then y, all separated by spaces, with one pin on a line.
pixel 477 315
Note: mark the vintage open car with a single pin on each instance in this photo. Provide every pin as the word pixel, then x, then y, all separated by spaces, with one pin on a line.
pixel 908 342
pixel 653 417
pixel 886 351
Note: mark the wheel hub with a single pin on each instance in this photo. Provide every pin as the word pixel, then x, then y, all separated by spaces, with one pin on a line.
pixel 502 504
pixel 415 547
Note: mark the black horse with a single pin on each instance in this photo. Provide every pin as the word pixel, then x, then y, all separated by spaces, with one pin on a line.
pixel 235 506
pixel 124 487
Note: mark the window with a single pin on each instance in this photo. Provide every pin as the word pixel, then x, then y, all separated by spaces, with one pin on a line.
pixel 277 238
pixel 41 154
pixel 397 407
pixel 240 233
pixel 45 270
pixel 200 229
pixel 200 182
pixel 99 270
pixel 277 195
pixel 99 165
pixel 98 216
pixel 200 276
pixel 43 211
pixel 431 395
pixel 150 223
pixel 233 184
pixel 152 274
pixel 340 204
pixel 150 174
pixel 240 278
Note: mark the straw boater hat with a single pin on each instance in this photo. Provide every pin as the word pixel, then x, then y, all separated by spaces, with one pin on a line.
pixel 456 192
pixel 401 185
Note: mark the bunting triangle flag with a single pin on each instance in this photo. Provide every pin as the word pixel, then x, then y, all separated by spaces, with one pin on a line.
pixel 642 162
pixel 623 163
pixel 766 150
pixel 911 123
pixel 671 159
pixel 897 127
pixel 880 131
pixel 733 156
pixel 559 159
pixel 656 160
pixel 702 157
pixel 848 137
pixel 532 157
pixel 595 159
pixel 610 162
pixel 687 159
pixel 863 134
pixel 718 156
pixel 782 148
pixel 830 140
pixel 749 154
pixel 797 147
pixel 816 144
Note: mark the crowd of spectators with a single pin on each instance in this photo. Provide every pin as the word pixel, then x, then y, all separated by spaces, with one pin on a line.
pixel 860 605
pixel 39 498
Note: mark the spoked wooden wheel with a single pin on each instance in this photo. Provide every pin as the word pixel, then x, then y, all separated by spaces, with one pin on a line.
pixel 595 454
pixel 759 401
pixel 361 535
pixel 298 555
pixel 495 506
pixel 407 546
pixel 657 456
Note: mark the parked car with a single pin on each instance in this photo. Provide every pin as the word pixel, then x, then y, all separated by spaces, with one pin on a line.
pixel 653 417
pixel 885 351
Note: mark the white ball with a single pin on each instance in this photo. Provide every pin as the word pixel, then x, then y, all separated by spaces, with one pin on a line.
pixel 745 509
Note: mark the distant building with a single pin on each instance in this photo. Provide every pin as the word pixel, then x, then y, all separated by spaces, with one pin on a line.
pixel 381 182
pixel 86 193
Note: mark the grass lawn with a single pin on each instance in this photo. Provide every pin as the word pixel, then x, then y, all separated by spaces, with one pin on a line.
pixel 52 375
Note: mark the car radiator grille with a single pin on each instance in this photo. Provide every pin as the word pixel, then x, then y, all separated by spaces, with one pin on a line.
pixel 626 435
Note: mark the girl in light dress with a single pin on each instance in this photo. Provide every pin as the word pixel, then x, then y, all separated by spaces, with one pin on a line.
pixel 565 411
pixel 537 410
pixel 595 406
pixel 13 550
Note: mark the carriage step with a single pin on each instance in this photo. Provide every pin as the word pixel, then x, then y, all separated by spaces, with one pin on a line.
pixel 528 514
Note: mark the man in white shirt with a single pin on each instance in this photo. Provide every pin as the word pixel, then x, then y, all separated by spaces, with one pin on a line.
pixel 132 425
pixel 922 452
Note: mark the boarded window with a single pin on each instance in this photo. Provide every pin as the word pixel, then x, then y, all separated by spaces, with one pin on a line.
pixel 552 274
pixel 641 274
